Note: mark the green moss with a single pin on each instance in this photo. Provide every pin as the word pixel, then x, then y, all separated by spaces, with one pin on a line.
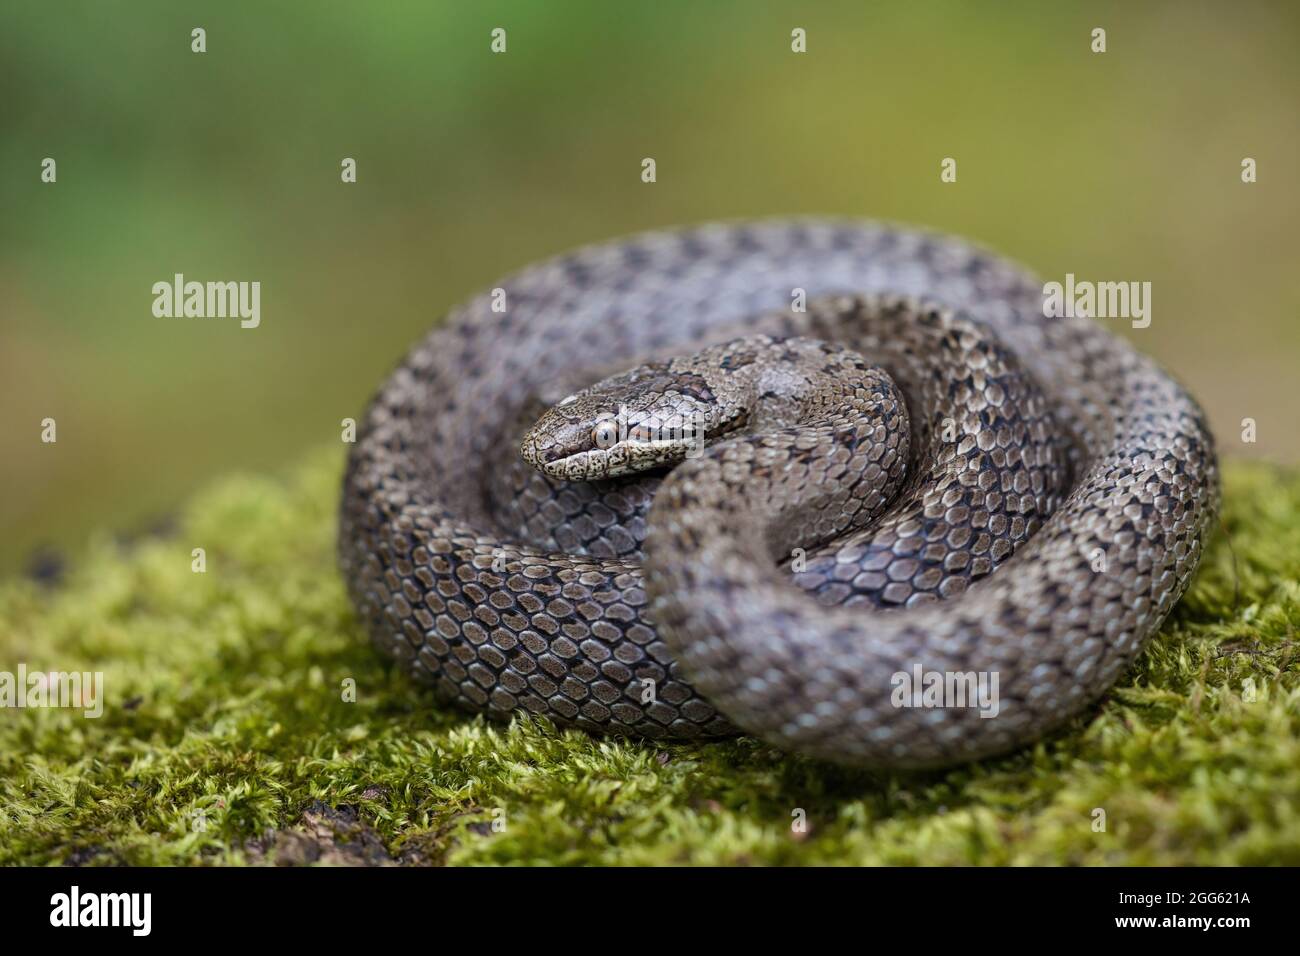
pixel 224 708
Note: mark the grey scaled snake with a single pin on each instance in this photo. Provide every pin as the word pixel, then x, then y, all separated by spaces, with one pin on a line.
pixel 741 477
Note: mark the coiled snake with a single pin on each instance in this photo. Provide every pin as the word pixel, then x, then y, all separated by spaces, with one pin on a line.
pixel 892 466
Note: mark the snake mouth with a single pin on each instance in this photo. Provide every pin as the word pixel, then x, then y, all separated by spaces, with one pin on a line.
pixel 623 458
pixel 559 463
pixel 594 463
pixel 577 467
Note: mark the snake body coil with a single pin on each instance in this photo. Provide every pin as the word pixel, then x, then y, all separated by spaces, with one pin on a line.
pixel 918 474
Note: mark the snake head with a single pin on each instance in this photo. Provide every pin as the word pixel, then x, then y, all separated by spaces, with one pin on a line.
pixel 635 421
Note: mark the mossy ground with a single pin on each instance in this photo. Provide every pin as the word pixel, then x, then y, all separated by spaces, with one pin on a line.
pixel 225 737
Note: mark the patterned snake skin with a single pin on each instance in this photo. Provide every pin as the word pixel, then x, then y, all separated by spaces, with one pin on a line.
pixel 917 474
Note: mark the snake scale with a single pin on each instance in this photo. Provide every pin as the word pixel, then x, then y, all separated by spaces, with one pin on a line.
pixel 741 476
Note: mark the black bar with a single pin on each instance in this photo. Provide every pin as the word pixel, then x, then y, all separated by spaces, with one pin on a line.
pixel 523 906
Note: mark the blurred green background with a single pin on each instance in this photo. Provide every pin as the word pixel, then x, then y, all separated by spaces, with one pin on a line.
pixel 225 165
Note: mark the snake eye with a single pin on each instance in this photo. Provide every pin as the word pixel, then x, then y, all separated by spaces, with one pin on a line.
pixel 604 434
